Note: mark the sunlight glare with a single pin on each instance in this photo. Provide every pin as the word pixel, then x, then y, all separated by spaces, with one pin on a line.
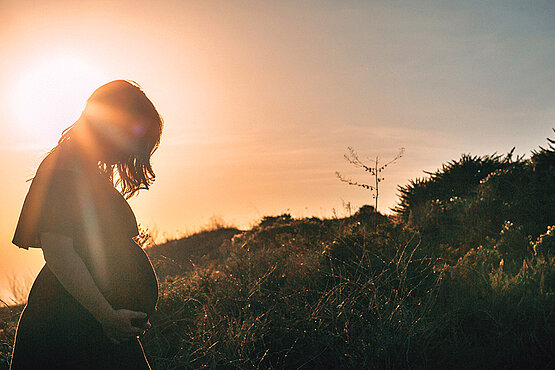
pixel 50 95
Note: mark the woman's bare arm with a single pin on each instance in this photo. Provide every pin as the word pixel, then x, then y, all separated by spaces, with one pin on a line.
pixel 74 276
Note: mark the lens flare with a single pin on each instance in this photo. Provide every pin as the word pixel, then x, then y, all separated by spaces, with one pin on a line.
pixel 51 94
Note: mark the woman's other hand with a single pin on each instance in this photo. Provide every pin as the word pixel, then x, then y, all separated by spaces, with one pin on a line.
pixel 70 270
pixel 119 327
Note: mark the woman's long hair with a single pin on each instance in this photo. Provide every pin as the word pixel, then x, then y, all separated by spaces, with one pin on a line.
pixel 111 102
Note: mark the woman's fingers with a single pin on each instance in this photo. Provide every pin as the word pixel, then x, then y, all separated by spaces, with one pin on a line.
pixel 122 328
pixel 144 326
pixel 136 319
pixel 131 318
pixel 135 315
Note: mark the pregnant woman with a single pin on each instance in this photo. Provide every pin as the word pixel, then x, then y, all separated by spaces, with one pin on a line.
pixel 93 297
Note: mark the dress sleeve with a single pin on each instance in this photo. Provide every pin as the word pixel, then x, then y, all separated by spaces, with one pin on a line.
pixel 50 205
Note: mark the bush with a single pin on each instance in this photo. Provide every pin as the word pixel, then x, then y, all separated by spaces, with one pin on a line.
pixel 461 277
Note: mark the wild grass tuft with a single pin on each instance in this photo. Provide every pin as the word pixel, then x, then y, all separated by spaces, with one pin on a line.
pixel 461 277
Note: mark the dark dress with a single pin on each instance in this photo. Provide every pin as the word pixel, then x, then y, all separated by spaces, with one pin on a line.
pixel 55 330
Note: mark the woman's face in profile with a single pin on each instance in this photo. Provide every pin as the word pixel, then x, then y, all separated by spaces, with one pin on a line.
pixel 119 138
pixel 122 123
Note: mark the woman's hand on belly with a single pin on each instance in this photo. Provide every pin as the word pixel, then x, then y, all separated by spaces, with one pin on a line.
pixel 119 327
pixel 72 273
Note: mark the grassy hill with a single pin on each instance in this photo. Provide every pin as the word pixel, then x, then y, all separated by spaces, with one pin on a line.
pixel 351 292
pixel 462 276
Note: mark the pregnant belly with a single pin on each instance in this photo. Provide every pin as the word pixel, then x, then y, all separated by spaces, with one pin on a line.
pixel 127 279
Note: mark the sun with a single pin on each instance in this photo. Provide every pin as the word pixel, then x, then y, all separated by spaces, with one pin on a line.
pixel 50 95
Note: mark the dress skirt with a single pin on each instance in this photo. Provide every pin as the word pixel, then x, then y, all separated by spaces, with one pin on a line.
pixel 56 332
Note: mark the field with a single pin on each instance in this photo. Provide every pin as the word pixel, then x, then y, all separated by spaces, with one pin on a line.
pixel 461 276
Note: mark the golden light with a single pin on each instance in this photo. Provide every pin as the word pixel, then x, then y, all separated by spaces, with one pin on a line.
pixel 50 94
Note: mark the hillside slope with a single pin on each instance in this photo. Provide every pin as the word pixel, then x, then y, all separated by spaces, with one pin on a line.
pixel 462 276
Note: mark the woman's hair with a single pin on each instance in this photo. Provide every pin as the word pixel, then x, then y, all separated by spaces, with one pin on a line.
pixel 123 103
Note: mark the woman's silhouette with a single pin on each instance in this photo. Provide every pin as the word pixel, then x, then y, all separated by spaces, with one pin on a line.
pixel 93 297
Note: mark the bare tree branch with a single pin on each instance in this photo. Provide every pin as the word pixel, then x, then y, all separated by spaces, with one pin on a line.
pixel 399 155
pixel 351 182
pixel 374 170
pixel 354 160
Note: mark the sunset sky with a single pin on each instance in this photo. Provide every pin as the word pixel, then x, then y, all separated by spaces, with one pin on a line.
pixel 262 98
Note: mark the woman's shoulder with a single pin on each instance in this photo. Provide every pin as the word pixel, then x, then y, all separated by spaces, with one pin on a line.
pixel 60 160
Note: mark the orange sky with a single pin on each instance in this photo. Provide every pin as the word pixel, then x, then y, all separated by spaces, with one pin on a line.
pixel 261 99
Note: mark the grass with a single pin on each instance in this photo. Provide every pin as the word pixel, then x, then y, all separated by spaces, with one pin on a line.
pixel 454 280
pixel 357 292
pixel 349 293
